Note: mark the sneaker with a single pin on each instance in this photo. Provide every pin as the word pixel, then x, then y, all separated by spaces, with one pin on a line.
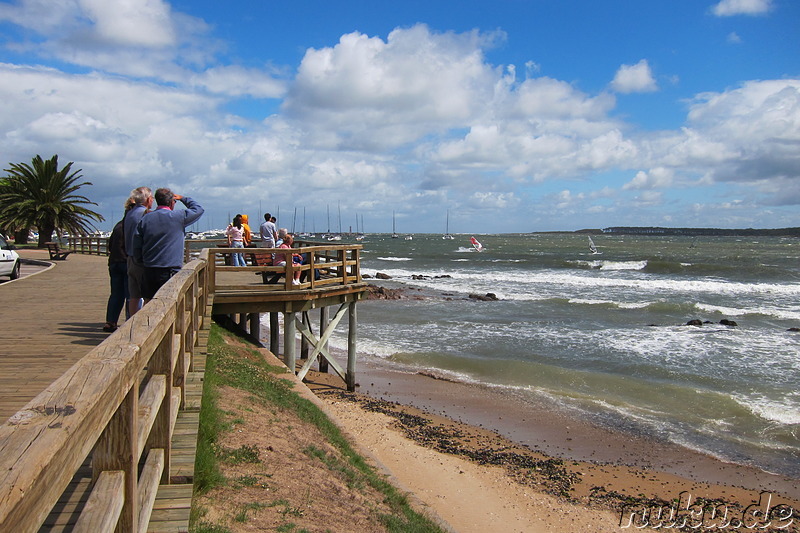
pixel 295 282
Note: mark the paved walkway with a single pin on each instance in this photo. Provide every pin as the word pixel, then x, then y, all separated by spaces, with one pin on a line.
pixel 48 321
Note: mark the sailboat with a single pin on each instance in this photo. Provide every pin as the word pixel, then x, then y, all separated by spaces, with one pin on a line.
pixel 593 248
pixel 337 236
pixel 447 235
pixel 394 233
pixel 360 235
pixel 475 244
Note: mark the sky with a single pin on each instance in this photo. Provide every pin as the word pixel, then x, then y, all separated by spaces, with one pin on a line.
pixel 501 116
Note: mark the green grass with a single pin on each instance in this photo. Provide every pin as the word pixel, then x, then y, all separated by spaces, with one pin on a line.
pixel 207 474
pixel 225 366
pixel 242 454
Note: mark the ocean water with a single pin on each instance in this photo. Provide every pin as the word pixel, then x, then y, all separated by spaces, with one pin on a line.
pixel 606 335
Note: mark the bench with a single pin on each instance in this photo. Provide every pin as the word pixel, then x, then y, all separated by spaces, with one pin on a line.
pixel 265 259
pixel 56 253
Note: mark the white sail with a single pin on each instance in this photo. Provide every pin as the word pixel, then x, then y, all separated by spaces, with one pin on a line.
pixel 592 247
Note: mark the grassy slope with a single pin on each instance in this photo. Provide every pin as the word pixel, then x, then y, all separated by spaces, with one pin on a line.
pixel 245 369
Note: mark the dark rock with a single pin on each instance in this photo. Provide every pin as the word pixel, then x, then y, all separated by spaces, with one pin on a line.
pixel 382 293
pixel 488 297
pixel 381 275
pixel 695 322
pixel 794 330
pixel 726 322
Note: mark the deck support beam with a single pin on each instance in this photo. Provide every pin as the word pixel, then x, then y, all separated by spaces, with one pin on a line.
pixel 321 345
pixel 352 320
pixel 289 333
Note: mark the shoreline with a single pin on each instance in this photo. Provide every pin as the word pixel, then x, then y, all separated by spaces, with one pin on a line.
pixel 555 433
pixel 626 467
pixel 555 487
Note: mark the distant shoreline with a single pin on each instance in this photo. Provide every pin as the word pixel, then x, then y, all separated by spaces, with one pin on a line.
pixel 658 230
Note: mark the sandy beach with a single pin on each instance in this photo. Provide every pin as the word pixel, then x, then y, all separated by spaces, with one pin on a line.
pixel 480 459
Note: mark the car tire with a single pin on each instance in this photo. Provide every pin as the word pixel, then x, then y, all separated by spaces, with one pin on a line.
pixel 15 271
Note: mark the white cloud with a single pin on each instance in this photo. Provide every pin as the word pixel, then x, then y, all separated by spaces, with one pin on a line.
pixel 734 38
pixel 727 8
pixel 142 38
pixel 636 78
pixel 649 198
pixel 145 23
pixel 758 124
pixel 381 94
pixel 659 177
pixel 235 80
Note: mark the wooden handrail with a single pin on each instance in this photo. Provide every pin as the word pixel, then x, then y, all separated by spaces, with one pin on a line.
pixel 91 245
pixel 326 265
pixel 95 408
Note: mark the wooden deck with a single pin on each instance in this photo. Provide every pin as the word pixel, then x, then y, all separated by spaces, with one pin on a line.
pixel 50 321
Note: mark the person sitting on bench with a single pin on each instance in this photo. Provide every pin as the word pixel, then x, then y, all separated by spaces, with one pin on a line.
pixel 295 258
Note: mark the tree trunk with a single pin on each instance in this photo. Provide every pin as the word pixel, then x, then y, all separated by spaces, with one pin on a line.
pixel 21 236
pixel 45 234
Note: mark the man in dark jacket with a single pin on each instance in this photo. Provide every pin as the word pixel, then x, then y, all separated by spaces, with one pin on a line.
pixel 118 274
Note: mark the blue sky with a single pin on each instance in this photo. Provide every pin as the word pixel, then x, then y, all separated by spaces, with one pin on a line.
pixel 513 115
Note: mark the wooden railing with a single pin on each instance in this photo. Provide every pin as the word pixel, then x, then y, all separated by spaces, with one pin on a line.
pixel 323 266
pixel 117 405
pixel 92 245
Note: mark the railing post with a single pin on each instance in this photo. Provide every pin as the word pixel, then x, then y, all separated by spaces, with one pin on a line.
pixel 342 253
pixel 161 363
pixel 117 450
pixel 312 261
pixel 181 367
pixel 212 272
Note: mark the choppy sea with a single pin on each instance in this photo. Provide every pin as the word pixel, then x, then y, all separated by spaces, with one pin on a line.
pixel 605 334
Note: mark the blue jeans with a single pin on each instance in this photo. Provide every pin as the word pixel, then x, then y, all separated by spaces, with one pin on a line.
pixel 118 272
pixel 238 259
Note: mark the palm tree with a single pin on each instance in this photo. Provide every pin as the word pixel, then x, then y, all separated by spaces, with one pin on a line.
pixel 41 195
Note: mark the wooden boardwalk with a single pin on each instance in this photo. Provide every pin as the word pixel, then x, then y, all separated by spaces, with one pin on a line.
pixel 51 320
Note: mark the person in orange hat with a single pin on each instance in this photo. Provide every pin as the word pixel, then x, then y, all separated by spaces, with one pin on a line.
pixel 248 235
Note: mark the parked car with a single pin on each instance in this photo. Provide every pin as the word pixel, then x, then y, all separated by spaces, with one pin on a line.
pixel 9 260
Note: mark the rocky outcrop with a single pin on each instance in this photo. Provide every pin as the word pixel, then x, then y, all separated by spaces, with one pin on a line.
pixel 382 293
pixel 488 297
pixel 723 322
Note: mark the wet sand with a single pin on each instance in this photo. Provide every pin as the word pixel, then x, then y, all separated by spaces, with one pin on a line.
pixel 593 469
pixel 549 430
